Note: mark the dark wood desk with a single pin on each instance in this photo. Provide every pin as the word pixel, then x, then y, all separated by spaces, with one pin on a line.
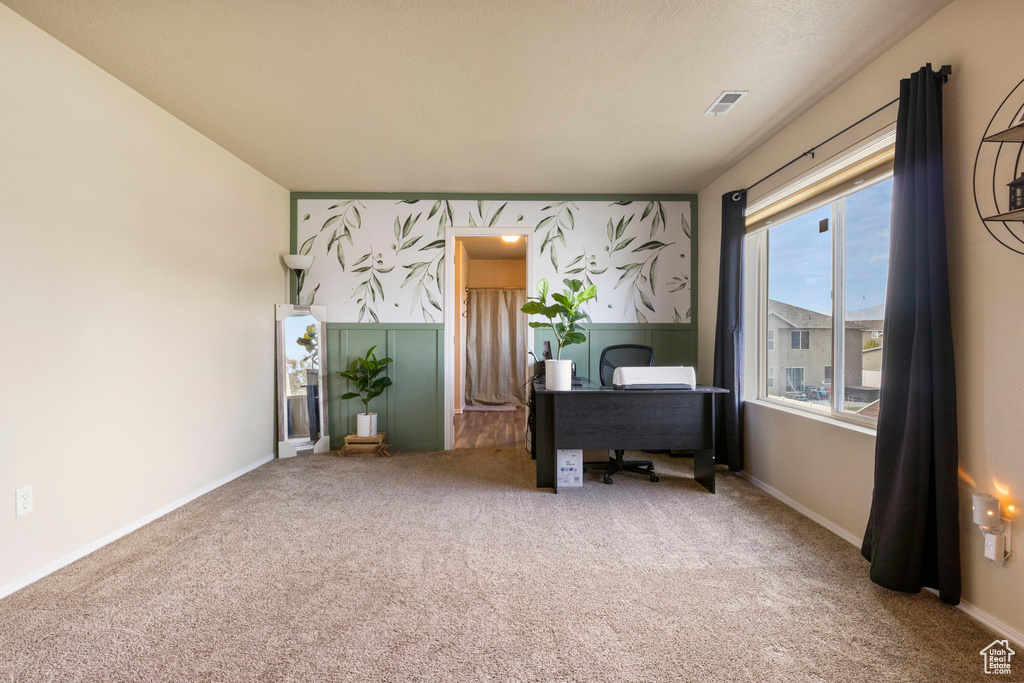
pixel 595 417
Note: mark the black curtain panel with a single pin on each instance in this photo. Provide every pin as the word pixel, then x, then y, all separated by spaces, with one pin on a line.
pixel 729 332
pixel 913 534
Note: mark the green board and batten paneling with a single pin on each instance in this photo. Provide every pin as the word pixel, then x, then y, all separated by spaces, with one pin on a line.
pixel 411 411
pixel 673 344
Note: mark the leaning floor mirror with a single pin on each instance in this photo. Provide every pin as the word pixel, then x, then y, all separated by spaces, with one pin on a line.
pixel 301 385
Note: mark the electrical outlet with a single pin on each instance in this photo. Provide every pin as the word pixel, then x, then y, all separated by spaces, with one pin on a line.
pixel 23 499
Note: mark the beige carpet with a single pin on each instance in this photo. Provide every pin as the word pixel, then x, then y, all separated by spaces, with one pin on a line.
pixel 453 566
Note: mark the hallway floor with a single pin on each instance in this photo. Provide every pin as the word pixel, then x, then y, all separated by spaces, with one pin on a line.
pixel 491 429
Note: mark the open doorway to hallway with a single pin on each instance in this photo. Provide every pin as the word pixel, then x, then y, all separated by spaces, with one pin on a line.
pixel 491 342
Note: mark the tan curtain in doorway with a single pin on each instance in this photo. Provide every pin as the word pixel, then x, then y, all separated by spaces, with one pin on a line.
pixel 496 347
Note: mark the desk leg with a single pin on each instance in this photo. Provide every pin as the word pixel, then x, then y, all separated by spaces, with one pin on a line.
pixel 704 468
pixel 544 450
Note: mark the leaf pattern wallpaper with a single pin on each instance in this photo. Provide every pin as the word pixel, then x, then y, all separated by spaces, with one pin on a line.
pixel 382 260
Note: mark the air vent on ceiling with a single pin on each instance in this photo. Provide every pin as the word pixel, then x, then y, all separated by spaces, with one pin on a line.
pixel 725 102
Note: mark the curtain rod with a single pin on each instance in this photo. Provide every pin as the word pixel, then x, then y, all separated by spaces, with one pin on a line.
pixel 945 71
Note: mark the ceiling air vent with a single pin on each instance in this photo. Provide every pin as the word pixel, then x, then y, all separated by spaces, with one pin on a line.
pixel 725 102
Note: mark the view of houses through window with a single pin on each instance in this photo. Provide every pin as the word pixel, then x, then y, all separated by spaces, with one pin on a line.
pixel 799 334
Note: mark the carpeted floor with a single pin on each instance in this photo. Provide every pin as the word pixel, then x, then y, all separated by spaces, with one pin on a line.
pixel 453 566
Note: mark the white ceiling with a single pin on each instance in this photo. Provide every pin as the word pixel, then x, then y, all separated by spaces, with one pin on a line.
pixel 573 96
pixel 493 248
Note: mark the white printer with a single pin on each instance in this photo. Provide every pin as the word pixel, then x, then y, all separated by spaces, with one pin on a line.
pixel 665 377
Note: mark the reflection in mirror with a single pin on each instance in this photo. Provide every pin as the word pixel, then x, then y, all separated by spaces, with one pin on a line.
pixel 301 426
pixel 303 369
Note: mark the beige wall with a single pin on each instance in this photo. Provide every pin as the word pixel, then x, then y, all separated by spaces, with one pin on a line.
pixel 138 271
pixel 497 273
pixel 828 468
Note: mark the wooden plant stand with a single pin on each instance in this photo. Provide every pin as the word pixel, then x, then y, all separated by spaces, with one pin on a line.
pixel 366 445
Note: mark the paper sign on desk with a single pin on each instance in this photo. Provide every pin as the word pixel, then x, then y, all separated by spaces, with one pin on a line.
pixel 570 468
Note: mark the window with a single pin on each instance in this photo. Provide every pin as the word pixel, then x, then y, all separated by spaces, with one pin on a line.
pixel 794 380
pixel 824 271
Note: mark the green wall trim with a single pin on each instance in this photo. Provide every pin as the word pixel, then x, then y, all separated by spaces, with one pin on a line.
pixel 411 411
pixel 647 326
pixel 293 245
pixel 385 326
pixel 527 197
pixel 673 344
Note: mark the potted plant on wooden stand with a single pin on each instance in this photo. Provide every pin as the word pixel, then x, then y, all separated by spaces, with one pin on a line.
pixel 364 373
pixel 564 320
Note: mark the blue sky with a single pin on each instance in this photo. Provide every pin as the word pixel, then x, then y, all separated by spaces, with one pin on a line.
pixel 800 258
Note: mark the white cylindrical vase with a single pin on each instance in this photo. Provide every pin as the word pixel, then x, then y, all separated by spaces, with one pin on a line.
pixel 366 424
pixel 558 375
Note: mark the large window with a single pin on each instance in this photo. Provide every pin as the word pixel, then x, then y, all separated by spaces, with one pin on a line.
pixel 824 274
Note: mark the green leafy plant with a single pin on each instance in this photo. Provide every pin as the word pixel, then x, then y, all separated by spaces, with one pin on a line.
pixel 308 342
pixel 565 314
pixel 364 373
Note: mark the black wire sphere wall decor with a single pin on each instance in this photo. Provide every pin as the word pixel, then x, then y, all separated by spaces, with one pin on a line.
pixel 998 163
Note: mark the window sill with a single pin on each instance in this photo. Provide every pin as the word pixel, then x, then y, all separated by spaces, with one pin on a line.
pixel 820 417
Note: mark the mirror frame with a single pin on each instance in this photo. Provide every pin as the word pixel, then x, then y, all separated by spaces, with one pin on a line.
pixel 286 448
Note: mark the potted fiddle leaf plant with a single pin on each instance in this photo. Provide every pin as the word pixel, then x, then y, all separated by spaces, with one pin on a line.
pixel 565 316
pixel 364 373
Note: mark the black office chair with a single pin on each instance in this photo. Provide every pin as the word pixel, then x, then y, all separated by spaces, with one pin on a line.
pixel 623 355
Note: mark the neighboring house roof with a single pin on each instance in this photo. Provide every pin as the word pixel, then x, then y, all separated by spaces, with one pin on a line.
pixel 869 324
pixel 803 318
pixel 870 410
pixel 875 348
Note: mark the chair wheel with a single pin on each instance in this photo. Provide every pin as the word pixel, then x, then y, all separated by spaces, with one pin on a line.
pixel 608 480
pixel 654 478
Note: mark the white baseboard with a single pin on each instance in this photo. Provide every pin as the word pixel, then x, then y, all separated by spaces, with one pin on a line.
pixel 34 576
pixel 1001 628
pixel 806 512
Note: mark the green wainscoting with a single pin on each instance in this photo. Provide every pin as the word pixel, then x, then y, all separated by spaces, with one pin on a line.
pixel 673 344
pixel 412 410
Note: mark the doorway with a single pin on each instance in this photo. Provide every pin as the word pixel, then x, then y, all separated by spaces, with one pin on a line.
pixel 488 340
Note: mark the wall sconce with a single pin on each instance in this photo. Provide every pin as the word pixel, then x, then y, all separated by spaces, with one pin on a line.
pixel 299 263
pixel 987 516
